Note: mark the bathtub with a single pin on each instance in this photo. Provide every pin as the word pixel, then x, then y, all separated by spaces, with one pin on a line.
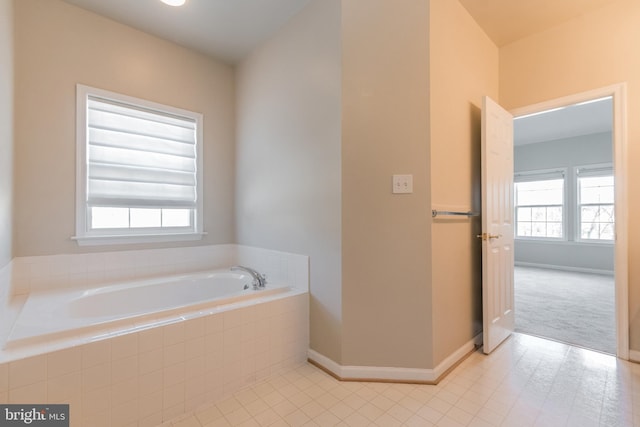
pixel 146 351
pixel 137 304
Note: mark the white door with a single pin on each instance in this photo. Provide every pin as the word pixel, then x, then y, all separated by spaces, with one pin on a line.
pixel 497 224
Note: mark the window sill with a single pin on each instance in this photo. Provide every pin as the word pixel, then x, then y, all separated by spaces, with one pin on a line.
pixel 564 242
pixel 140 238
pixel 541 239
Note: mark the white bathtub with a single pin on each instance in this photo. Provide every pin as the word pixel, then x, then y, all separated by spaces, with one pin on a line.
pixel 105 350
pixel 126 305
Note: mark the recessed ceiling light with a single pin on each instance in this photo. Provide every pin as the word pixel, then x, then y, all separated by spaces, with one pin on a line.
pixel 174 2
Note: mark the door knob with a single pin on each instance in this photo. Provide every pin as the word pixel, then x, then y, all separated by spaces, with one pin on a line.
pixel 488 236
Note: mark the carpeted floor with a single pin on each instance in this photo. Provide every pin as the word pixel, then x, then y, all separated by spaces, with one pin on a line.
pixel 575 308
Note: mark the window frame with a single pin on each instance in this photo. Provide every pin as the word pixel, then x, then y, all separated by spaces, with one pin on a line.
pixel 592 170
pixel 105 236
pixel 542 175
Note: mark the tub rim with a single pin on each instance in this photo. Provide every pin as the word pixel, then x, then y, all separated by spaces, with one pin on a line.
pixel 17 349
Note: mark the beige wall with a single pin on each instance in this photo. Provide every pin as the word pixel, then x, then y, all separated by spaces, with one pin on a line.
pixel 464 68
pixel 288 156
pixel 386 294
pixel 58 45
pixel 595 50
pixel 6 129
pixel 347 94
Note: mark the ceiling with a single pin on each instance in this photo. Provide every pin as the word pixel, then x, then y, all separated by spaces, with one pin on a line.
pixel 506 21
pixel 575 120
pixel 230 29
pixel 224 29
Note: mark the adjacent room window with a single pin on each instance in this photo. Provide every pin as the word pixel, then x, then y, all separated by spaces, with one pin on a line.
pixel 539 205
pixel 596 216
pixel 139 173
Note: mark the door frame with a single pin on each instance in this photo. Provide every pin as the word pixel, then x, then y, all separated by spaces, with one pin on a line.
pixel 621 270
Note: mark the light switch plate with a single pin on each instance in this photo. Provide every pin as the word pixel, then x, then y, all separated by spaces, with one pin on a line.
pixel 402 184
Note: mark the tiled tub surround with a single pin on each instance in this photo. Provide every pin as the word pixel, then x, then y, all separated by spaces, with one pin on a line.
pixel 89 270
pixel 158 369
pixel 154 375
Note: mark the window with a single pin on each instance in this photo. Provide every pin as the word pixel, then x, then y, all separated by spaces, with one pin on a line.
pixel 539 205
pixel 139 173
pixel 596 214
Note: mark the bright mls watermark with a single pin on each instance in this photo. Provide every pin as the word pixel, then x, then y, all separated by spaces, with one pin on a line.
pixel 34 415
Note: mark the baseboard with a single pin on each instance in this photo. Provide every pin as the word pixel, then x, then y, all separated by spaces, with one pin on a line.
pixel 634 356
pixel 564 268
pixel 392 374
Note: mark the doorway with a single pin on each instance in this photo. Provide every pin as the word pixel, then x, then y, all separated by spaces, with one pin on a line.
pixel 570 220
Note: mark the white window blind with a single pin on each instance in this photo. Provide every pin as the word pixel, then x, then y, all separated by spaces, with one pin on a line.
pixel 139 170
pixel 138 157
pixel 606 170
pixel 539 175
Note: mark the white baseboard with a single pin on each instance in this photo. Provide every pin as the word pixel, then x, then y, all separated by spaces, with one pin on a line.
pixel 564 268
pixel 393 374
pixel 634 356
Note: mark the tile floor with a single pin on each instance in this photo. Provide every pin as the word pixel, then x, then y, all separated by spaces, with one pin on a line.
pixel 527 381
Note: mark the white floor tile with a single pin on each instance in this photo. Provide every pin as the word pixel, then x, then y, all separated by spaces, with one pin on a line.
pixel 526 382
